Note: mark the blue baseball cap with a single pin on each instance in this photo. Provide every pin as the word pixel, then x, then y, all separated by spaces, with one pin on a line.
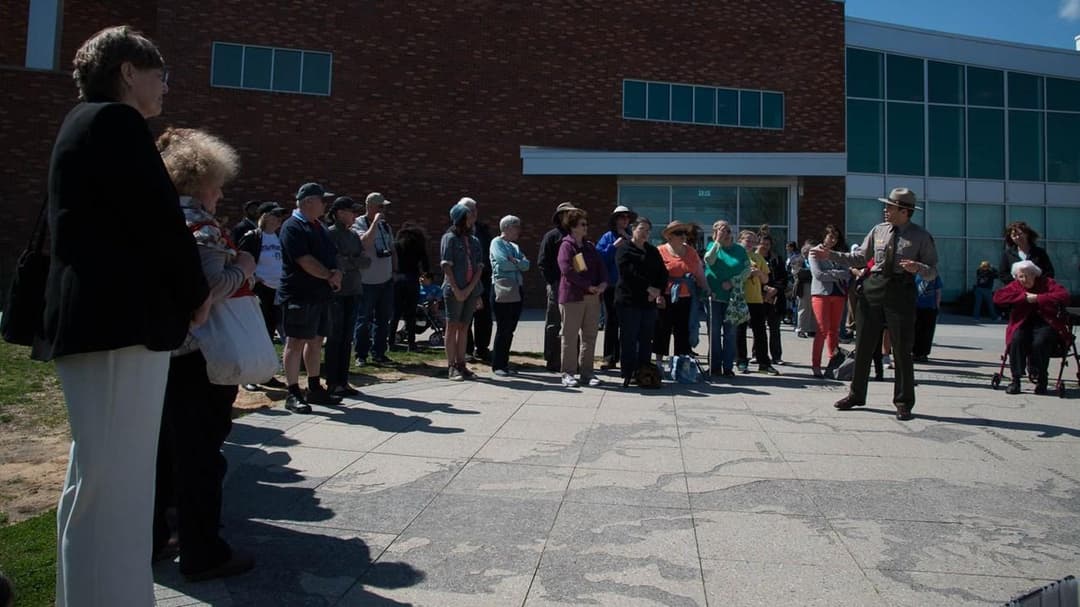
pixel 458 212
pixel 312 189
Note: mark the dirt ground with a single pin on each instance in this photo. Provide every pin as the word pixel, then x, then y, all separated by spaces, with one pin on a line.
pixel 34 449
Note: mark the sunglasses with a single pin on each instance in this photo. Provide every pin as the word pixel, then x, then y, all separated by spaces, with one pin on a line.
pixel 164 75
pixel 680 233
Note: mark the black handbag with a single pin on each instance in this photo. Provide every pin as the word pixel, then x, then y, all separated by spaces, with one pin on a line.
pixel 24 309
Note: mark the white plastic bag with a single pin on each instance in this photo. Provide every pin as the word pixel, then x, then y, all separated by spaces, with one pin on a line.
pixel 235 343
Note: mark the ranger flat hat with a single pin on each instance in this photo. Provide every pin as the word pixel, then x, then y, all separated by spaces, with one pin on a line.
pixel 903 198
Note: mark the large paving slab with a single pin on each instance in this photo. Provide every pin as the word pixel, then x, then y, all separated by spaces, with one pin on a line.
pixel 749 491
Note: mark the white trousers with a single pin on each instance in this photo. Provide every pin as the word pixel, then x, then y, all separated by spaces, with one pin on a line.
pixel 105 516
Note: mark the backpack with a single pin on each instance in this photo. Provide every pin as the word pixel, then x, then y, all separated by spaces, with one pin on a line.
pixel 684 370
pixel 845 367
pixel 648 376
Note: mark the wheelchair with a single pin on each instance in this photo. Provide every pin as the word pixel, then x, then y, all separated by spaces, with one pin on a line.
pixel 427 317
pixel 1065 348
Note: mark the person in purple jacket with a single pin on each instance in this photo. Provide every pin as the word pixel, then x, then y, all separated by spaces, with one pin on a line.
pixel 583 282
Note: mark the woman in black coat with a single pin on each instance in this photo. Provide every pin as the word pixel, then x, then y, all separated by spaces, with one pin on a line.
pixel 638 294
pixel 1020 244
pixel 124 286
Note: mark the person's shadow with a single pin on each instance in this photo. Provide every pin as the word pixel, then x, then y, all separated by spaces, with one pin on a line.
pixel 296 563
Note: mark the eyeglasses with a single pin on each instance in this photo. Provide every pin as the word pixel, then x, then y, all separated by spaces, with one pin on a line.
pixel 165 75
pixel 680 233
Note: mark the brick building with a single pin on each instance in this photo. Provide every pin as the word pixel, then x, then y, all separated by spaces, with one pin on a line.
pixel 694 110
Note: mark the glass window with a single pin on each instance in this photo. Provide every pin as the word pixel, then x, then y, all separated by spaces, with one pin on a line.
pixel 633 104
pixel 905 139
pixel 659 101
pixel 727 107
pixel 985 87
pixel 257 63
pixel 286 70
pixel 905 78
pixel 945 219
pixel 1063 223
pixel 749 108
pixel 1063 94
pixel 986 144
pixel 946 141
pixel 1025 91
pixel 316 73
pixel 951 266
pixel 704 105
pixel 1063 147
pixel 945 81
pixel 772 110
pixel 861 215
pixel 1066 259
pixel 865 75
pixel 763 205
pixel 984 220
pixel 703 205
pixel 228 65
pixel 865 136
pixel 1033 216
pixel 682 103
pixel 648 201
pixel 1026 145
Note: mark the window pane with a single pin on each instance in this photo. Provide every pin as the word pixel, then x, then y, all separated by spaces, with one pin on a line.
pixel 703 205
pixel 986 144
pixel 659 101
pixel 772 110
pixel 749 108
pixel 951 265
pixel 1026 145
pixel 704 105
pixel 228 63
pixel 985 87
pixel 984 220
pixel 944 219
pixel 1063 147
pixel 1066 259
pixel 905 78
pixel 1025 91
pixel 861 215
pixel 978 251
pixel 865 136
pixel 316 73
pixel 727 107
pixel 648 201
pixel 865 74
pixel 682 103
pixel 946 141
pixel 286 70
pixel 1062 94
pixel 946 82
pixel 763 205
pixel 1062 225
pixel 905 139
pixel 1033 216
pixel 257 67
pixel 633 101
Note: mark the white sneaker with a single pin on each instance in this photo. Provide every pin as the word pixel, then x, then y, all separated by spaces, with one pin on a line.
pixel 502 373
pixel 569 380
pixel 594 381
pixel 887 361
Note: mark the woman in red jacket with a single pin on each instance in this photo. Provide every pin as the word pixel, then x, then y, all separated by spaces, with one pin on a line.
pixel 1034 326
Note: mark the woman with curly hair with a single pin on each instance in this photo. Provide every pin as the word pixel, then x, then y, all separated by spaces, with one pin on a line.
pixel 1020 245
pixel 124 285
pixel 198 414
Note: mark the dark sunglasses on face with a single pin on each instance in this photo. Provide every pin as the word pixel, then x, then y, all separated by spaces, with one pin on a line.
pixel 680 233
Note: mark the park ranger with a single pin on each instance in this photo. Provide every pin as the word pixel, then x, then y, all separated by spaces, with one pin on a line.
pixel 900 250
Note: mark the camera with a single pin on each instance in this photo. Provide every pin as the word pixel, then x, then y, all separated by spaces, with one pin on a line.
pixel 383 253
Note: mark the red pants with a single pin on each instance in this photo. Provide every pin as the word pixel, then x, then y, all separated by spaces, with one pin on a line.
pixel 828 309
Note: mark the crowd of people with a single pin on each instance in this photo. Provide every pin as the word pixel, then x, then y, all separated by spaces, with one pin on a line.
pixel 333 281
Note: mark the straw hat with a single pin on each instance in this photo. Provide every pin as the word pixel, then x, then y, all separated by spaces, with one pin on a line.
pixel 674 226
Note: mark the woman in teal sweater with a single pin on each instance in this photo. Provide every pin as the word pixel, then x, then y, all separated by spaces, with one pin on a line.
pixel 726 267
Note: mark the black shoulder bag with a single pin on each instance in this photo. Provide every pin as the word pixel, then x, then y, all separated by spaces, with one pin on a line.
pixel 24 309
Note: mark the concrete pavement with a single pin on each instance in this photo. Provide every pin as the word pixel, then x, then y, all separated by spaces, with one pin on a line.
pixel 517 491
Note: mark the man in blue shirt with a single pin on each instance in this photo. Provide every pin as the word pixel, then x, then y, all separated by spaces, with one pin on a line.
pixel 616 236
pixel 926 311
pixel 308 281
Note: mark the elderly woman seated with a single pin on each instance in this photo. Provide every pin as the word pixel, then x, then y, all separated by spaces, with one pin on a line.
pixel 1034 325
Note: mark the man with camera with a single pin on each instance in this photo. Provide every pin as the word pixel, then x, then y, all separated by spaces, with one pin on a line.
pixel 377 298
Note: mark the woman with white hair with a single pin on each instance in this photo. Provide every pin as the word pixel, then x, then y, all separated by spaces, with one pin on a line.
pixel 507 290
pixel 1034 326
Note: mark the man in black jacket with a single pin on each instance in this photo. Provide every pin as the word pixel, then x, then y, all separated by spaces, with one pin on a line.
pixel 548 260
pixel 252 211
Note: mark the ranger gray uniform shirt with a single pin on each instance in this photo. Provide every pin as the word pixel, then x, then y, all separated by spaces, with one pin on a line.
pixel 912 242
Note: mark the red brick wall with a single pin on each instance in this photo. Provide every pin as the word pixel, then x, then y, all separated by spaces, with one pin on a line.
pixel 821 204
pixel 14 15
pixel 431 101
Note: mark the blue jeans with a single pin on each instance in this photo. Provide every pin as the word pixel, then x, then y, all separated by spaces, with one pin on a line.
pixel 722 348
pixel 636 327
pixel 343 310
pixel 376 308
pixel 984 297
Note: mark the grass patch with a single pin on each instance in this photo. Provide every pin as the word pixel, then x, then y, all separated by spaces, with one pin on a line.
pixel 28 559
pixel 30 396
